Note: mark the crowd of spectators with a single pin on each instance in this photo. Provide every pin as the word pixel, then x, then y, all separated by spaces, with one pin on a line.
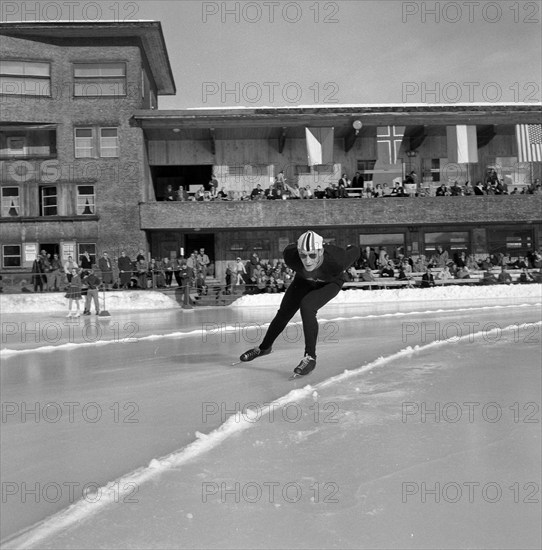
pixel 255 275
pixel 258 276
pixel 459 265
pixel 348 188
pixel 50 274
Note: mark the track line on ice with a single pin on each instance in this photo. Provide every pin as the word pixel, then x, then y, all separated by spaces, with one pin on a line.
pixel 5 353
pixel 112 493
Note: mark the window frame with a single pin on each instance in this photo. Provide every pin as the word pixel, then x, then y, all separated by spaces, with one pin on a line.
pixel 98 80
pixel 43 196
pixel 24 78
pixel 96 148
pixel 7 207
pixel 79 208
pixel 4 256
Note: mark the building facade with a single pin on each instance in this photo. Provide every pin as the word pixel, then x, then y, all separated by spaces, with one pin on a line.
pixel 86 158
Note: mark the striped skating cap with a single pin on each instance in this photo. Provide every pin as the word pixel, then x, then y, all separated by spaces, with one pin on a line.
pixel 310 241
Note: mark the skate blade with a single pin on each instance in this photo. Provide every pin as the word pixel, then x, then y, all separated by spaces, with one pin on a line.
pixel 236 363
pixel 295 375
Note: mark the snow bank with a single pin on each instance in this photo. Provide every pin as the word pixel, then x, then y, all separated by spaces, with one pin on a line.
pixel 150 300
pixel 451 292
pixel 115 301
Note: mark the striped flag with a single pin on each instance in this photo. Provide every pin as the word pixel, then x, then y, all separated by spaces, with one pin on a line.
pixel 319 145
pixel 462 144
pixel 529 138
pixel 388 143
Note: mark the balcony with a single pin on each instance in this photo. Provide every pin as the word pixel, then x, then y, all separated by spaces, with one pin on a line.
pixel 341 212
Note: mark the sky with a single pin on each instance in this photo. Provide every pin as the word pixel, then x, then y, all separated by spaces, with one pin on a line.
pixel 306 52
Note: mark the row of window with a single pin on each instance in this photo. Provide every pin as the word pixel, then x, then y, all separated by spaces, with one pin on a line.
pixel 33 78
pixel 10 201
pixel 89 142
pixel 16 255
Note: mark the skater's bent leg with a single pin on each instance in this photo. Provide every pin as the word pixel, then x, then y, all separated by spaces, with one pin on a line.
pixel 288 308
pixel 309 307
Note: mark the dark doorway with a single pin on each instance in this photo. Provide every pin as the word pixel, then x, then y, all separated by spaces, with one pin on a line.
pixel 195 241
pixel 50 248
pixel 179 176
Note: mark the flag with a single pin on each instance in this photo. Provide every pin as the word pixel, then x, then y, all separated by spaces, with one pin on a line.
pixel 529 138
pixel 462 144
pixel 388 143
pixel 319 145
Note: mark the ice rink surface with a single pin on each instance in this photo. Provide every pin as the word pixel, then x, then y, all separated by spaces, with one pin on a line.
pixel 430 440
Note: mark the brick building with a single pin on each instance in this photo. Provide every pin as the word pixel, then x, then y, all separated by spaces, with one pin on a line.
pixel 71 164
pixel 86 157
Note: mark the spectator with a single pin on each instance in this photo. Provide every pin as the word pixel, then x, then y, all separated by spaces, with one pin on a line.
pixel 462 273
pixel 37 270
pixel 442 191
pixel 169 194
pixel 69 266
pixel 387 270
pixel 468 189
pixel 240 272
pixel 125 270
pixel 439 258
pixel 142 267
pixel 488 278
pixel 369 257
pixel 525 277
pixel 105 266
pixel 257 193
pixel 504 277
pixel 358 181
pixel 318 193
pixel 55 276
pixel 444 274
pixel 168 271
pixel 223 195
pixel 203 262
pixel 92 283
pixel 85 262
pixel 479 189
pixel 378 191
pixel 74 292
pixel 456 190
pixel 182 194
pixel 420 265
pixel 427 279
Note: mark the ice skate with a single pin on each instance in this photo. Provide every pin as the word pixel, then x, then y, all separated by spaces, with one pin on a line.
pixel 306 366
pixel 251 354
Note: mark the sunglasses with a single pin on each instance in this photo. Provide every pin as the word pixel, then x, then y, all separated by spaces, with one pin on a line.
pixel 312 255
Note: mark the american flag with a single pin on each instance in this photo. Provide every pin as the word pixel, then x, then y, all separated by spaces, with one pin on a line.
pixel 529 138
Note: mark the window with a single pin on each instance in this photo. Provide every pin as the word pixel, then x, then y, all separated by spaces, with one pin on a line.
pixel 36 141
pixel 452 241
pixel 11 202
pixel 90 141
pixel 48 201
pixel 376 240
pixel 11 255
pixel 516 242
pixel 86 204
pixel 366 168
pixel 16 145
pixel 87 247
pixel 25 78
pixel 109 142
pixel 99 79
pixel 84 143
